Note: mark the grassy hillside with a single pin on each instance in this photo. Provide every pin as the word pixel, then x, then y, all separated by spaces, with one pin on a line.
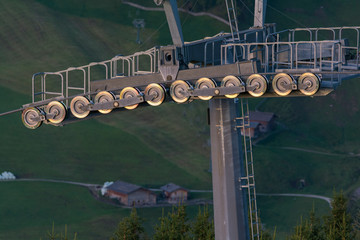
pixel 66 38
pixel 64 204
pixel 153 146
pixel 41 37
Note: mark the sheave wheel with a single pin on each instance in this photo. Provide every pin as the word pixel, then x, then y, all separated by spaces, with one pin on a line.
pixel 205 83
pixel 129 92
pixel 260 83
pixel 311 81
pixel 281 84
pixel 178 91
pixel 77 107
pixel 31 118
pixel 104 97
pixel 231 81
pixel 59 111
pixel 157 92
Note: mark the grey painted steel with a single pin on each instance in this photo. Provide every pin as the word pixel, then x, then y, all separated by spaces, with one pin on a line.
pixel 259 13
pixel 248 174
pixel 173 19
pixel 231 11
pixel 186 75
pixel 230 216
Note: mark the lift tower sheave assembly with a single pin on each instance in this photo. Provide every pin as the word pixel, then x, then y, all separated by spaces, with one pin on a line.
pixel 226 70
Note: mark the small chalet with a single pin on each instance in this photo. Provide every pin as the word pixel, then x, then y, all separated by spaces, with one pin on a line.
pixel 254 130
pixel 174 193
pixel 265 119
pixel 130 194
pixel 260 122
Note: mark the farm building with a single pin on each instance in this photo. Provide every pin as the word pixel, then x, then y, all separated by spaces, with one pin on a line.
pixel 254 130
pixel 130 194
pixel 265 119
pixel 174 193
pixel 260 122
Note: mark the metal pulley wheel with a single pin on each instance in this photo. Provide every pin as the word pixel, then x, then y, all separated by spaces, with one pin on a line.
pixel 57 110
pixel 309 83
pixel 129 92
pixel 31 118
pixel 231 81
pixel 179 91
pixel 205 83
pixel 282 84
pixel 104 97
pixel 156 92
pixel 258 83
pixel 78 107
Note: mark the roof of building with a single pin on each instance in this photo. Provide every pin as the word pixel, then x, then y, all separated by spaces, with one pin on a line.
pixel 124 187
pixel 171 187
pixel 254 124
pixel 261 116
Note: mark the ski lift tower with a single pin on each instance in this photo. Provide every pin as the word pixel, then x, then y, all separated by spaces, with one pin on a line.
pixel 234 192
pixel 139 24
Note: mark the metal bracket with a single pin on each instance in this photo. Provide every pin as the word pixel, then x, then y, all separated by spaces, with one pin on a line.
pixel 169 64
pixel 218 91
pixel 302 86
pixel 251 87
pixel 116 103
pixel 291 86
pixel 39 118
pixel 49 116
pixel 149 97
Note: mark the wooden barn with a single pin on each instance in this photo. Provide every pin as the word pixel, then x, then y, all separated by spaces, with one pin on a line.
pixel 130 194
pixel 265 119
pixel 254 130
pixel 174 193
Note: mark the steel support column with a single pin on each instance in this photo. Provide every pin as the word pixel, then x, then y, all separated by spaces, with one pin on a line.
pixel 230 211
pixel 173 19
pixel 260 13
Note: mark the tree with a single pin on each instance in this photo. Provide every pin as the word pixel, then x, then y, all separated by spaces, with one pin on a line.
pixel 338 223
pixel 310 229
pixel 130 228
pixel 203 227
pixel 174 226
pixel 52 235
pixel 336 226
pixel 356 224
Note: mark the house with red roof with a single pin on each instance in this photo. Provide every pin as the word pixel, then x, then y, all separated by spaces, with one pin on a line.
pixel 174 193
pixel 260 122
pixel 130 194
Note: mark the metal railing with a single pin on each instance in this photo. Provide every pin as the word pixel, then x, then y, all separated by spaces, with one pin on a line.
pixel 288 55
pixel 145 62
pixel 212 46
pixel 342 34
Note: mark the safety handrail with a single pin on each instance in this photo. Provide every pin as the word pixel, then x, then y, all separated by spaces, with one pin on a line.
pixel 111 67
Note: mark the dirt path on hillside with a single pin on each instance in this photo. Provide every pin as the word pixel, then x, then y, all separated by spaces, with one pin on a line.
pixel 327 199
pixel 94 189
pixel 87 185
pixel 311 151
